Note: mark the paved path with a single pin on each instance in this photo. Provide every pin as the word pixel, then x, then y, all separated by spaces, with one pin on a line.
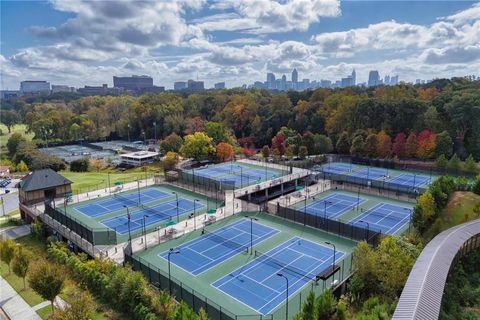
pixel 13 304
pixel 14 232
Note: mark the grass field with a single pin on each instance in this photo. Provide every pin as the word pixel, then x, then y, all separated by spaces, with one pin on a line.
pixel 89 181
pixel 458 210
pixel 20 128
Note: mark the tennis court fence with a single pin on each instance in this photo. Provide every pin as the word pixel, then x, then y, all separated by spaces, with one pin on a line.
pixel 337 227
pixel 196 300
pixel 96 236
pixel 379 184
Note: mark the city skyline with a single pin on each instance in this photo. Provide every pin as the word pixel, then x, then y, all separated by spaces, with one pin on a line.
pixel 234 42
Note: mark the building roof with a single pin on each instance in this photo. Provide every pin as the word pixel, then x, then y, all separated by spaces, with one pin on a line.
pixel 43 179
pixel 138 155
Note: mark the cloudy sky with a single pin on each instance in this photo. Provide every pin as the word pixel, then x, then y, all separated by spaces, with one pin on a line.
pixel 87 42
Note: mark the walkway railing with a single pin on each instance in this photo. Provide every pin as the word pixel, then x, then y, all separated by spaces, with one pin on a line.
pixel 422 295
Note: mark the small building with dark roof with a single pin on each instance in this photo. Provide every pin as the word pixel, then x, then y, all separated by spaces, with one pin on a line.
pixel 43 185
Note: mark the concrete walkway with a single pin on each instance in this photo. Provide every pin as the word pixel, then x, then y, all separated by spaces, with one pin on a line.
pixel 13 304
pixel 14 232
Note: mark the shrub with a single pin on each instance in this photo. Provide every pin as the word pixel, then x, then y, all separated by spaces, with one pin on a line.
pixel 80 165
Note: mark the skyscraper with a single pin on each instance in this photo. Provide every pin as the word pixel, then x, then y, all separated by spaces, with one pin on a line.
pixel 294 75
pixel 373 78
pixel 354 78
pixel 271 81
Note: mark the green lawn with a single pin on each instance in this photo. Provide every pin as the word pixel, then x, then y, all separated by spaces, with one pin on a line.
pixel 458 210
pixel 20 128
pixel 17 283
pixel 45 312
pixel 89 181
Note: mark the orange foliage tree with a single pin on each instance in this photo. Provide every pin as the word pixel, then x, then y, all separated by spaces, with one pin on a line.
pixel 224 151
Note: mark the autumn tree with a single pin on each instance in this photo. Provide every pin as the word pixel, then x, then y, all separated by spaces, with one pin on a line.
pixel 197 146
pixel 224 152
pixel 170 160
pixel 398 147
pixel 172 142
pixel 47 280
pixel 97 164
pixel 411 145
pixel 278 144
pixel 22 167
pixel 426 144
pixel 384 144
pixel 265 151
pixel 195 124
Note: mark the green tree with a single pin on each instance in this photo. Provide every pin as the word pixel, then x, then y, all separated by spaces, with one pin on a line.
pixel 371 145
pixel 470 164
pixel 322 144
pixel 442 161
pixel 9 118
pixel 80 165
pixel 454 162
pixel 81 307
pixel 198 146
pixel 444 145
pixel 303 152
pixel 476 185
pixel 426 204
pixel 47 280
pixel 326 305
pixel 219 133
pixel 343 143
pixel 13 142
pixel 358 146
pixel 172 142
pixel 7 252
pixel 20 263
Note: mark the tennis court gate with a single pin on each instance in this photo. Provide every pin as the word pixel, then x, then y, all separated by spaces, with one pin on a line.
pixel 182 292
pixel 337 227
pixel 96 236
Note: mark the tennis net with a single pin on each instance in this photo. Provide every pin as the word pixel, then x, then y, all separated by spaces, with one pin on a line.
pixel 390 215
pixel 272 261
pixel 125 199
pixel 226 242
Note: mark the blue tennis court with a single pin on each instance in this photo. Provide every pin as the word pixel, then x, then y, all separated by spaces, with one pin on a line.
pixel 236 174
pixel 104 206
pixel 370 174
pixel 385 217
pixel 337 167
pixel 211 249
pixel 257 284
pixel 333 205
pixel 410 180
pixel 151 215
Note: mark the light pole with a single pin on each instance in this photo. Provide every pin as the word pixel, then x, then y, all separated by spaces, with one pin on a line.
pixel 128 132
pixel 241 176
pixel 170 252
pixel 129 232
pixel 251 232
pixel 145 229
pixel 286 303
pixel 334 251
pixel 178 216
pixel 368 228
pixel 138 191
pixel 409 218
pixel 195 218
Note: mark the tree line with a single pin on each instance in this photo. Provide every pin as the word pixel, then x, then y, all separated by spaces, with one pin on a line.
pixel 440 118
